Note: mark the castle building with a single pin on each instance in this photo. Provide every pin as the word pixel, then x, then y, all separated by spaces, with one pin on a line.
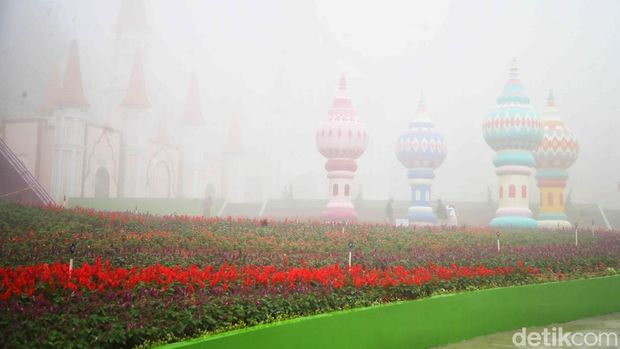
pixel 421 149
pixel 557 152
pixel 119 147
pixel 341 139
pixel 513 130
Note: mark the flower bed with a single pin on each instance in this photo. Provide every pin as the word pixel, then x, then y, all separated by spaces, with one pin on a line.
pixel 167 278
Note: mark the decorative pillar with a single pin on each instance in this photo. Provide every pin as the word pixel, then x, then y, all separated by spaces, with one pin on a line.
pixel 421 149
pixel 557 152
pixel 513 129
pixel 341 139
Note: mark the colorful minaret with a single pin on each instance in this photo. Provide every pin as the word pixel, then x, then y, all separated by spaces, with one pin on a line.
pixel 557 152
pixel 513 129
pixel 341 139
pixel 421 149
pixel 70 129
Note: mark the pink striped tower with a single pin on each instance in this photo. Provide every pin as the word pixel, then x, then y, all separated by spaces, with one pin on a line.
pixel 341 139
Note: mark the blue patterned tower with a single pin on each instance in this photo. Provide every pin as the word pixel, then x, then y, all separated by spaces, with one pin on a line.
pixel 513 129
pixel 421 149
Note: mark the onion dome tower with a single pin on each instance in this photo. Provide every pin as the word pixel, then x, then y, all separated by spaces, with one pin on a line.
pixel 341 139
pixel 513 129
pixel 421 149
pixel 557 152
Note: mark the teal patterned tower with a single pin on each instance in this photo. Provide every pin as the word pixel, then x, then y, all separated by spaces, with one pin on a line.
pixel 513 129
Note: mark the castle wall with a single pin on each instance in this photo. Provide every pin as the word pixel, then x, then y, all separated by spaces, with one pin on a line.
pixel 162 170
pixel 23 137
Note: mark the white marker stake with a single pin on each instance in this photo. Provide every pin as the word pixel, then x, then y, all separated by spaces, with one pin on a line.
pixel 70 266
pixel 576 236
pixel 498 247
pixel 349 259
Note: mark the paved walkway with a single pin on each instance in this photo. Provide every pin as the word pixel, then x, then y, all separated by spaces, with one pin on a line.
pixel 599 324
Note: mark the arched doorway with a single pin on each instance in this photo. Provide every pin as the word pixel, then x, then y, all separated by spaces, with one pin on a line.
pixel 102 183
pixel 159 186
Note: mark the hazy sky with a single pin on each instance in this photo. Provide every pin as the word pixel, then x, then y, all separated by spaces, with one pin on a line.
pixel 276 63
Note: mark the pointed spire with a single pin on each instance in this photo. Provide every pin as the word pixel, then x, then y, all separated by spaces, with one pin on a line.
pixel 52 92
pixel 551 111
pixel 550 99
pixel 342 108
pixel 132 18
pixel 72 92
pixel 193 110
pixel 421 103
pixel 234 143
pixel 421 114
pixel 136 96
pixel 514 69
pixel 342 87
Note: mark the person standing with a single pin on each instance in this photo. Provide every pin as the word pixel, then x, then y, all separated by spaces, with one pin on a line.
pixel 452 219
pixel 206 207
pixel 442 213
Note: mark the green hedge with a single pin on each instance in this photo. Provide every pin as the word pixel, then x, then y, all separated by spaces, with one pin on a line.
pixel 432 321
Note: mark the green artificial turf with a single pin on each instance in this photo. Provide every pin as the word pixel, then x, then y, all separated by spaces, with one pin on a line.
pixel 431 321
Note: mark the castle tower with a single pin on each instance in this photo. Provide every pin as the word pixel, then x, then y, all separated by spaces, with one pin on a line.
pixel 69 134
pixel 557 152
pixel 341 139
pixel 421 149
pixel 513 129
pixel 192 123
pixel 135 113
pixel 132 33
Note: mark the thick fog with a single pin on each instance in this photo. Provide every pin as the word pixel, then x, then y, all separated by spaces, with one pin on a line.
pixel 275 65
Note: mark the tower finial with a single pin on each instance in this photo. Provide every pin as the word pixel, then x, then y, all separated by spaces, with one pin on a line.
pixel 421 102
pixel 551 99
pixel 514 69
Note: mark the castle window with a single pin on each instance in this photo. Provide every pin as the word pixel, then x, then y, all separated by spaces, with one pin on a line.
pixel 335 190
pixel 523 191
pixel 512 191
pixel 346 190
pixel 549 198
pixel 562 199
pixel 501 192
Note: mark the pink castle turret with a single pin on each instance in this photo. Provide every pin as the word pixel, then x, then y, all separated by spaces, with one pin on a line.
pixel 72 93
pixel 70 128
pixel 136 96
pixel 192 116
pixel 341 139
